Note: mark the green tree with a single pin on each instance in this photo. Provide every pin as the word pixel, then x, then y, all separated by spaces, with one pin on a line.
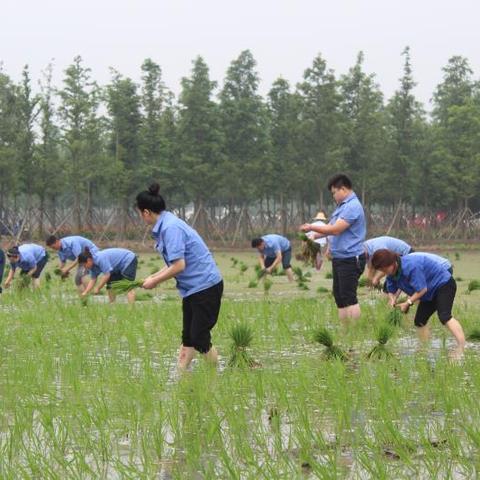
pixel 200 140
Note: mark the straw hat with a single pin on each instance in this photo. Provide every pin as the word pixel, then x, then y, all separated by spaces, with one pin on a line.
pixel 320 216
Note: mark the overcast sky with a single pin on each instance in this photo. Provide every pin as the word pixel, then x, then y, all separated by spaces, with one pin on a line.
pixel 284 36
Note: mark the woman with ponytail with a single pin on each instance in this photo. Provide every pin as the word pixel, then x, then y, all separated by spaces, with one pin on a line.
pixel 190 262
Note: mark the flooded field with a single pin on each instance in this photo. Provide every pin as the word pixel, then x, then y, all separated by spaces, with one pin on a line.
pixel 92 391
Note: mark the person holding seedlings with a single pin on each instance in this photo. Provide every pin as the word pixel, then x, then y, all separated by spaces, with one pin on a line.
pixel 390 243
pixel 2 266
pixel 347 229
pixel 274 249
pixel 69 248
pixel 30 259
pixel 113 264
pixel 426 279
pixel 319 219
pixel 190 262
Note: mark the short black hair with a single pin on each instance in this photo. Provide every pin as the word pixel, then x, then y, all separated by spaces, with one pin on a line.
pixel 338 181
pixel 51 239
pixel 13 251
pixel 84 256
pixel 256 242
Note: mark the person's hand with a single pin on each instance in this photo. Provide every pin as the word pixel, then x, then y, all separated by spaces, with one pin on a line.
pixel 64 273
pixel 404 307
pixel 391 302
pixel 306 227
pixel 268 270
pixel 6 284
pixel 84 294
pixel 149 283
pixel 96 291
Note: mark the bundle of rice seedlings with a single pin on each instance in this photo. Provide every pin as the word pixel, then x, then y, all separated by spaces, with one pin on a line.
pixel 473 285
pixel 329 275
pixel 243 267
pixel 267 285
pixel 143 296
pixel 322 289
pixel 83 301
pixel 323 336
pixel 234 261
pixel 362 282
pixel 261 272
pixel 252 284
pixel 380 351
pixel 474 335
pixel 394 317
pixel 58 271
pixel 48 277
pixel 310 249
pixel 124 286
pixel 457 256
pixel 241 335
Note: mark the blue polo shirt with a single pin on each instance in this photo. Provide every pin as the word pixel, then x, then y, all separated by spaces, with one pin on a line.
pixel 111 260
pixel 350 242
pixel 273 244
pixel 72 247
pixel 175 240
pixel 390 243
pixel 418 271
pixel 30 255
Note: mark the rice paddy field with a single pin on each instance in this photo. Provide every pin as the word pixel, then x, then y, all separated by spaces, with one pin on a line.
pixel 91 391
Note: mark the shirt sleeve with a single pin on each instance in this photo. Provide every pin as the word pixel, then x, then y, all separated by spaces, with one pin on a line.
pixel 417 279
pixel 351 213
pixel 174 243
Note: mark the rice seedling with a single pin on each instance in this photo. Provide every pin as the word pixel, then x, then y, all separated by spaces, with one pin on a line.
pixel 329 275
pixel 362 282
pixel 394 317
pixel 143 296
pixel 322 289
pixel 23 282
pixel 124 286
pixel 58 271
pixel 458 279
pixel 310 250
pixel 457 256
pixel 252 284
pixel 474 335
pixel 324 337
pixel 243 267
pixel 241 336
pixel 48 276
pixel 267 285
pixel 380 351
pixel 234 261
pixel 473 285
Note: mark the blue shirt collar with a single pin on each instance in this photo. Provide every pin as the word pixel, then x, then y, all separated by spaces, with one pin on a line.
pixel 348 198
pixel 158 225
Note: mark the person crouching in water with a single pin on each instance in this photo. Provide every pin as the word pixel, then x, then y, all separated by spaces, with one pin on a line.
pixel 426 279
pixel 113 264
pixel 30 258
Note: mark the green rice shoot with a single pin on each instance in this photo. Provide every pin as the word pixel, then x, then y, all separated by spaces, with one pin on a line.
pixel 123 286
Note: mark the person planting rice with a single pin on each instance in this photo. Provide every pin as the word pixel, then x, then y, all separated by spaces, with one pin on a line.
pixel 2 266
pixel 30 259
pixel 69 248
pixel 113 264
pixel 390 243
pixel 189 261
pixel 426 279
pixel 347 229
pixel 274 250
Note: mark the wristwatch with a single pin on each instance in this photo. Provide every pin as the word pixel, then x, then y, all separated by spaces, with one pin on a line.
pixel 409 302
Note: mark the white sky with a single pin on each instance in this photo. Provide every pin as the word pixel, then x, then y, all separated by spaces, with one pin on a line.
pixel 284 36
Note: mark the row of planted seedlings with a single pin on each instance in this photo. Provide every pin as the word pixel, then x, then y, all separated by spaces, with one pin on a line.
pixel 92 392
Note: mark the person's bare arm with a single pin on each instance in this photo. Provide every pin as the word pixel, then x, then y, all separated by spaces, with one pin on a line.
pixel 324 230
pixel 165 274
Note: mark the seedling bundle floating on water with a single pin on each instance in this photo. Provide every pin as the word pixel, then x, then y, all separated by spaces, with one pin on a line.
pixel 310 250
pixel 124 286
pixel 324 337
pixel 380 351
pixel 473 285
pixel 241 335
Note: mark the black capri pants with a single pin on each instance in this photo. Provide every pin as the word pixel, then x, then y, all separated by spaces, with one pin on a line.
pixel 442 303
pixel 346 272
pixel 40 266
pixel 286 259
pixel 200 314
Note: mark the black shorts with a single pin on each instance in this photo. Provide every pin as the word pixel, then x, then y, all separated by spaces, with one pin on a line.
pixel 286 259
pixel 441 303
pixel 130 273
pixel 200 314
pixel 346 272
pixel 40 266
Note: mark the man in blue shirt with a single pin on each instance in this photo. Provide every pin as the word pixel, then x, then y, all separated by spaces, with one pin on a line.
pixel 30 259
pixel 274 249
pixel 390 243
pixel 426 279
pixel 69 248
pixel 346 229
pixel 113 264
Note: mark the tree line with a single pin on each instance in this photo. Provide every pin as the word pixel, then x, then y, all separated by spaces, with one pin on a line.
pixel 226 148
